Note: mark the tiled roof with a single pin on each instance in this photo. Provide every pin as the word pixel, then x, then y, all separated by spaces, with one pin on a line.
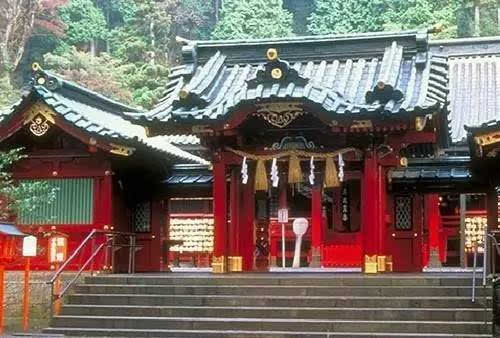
pixel 474 93
pixel 341 79
pixel 183 140
pixel 96 115
pixel 430 173
pixel 474 72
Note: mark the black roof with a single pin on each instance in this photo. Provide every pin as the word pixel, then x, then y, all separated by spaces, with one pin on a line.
pixel 338 74
pixel 474 71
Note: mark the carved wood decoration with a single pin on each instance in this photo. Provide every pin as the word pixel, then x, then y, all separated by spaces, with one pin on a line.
pixel 487 139
pixel 293 142
pixel 38 116
pixel 279 114
pixel 121 150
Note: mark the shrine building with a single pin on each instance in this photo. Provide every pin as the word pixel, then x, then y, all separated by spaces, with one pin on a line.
pixel 381 147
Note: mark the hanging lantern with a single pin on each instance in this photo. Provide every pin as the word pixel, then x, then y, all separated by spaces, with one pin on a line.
pixel 311 174
pixel 261 177
pixel 341 168
pixel 331 176
pixel 244 171
pixel 275 178
pixel 294 170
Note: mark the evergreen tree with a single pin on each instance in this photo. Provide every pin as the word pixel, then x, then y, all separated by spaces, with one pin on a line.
pixel 253 19
pixel 346 16
pixel 85 24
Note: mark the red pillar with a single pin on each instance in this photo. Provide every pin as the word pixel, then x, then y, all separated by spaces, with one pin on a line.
pixel 317 225
pixel 382 210
pixel 220 212
pixel 370 217
pixel 234 228
pixel 247 215
pixel 433 220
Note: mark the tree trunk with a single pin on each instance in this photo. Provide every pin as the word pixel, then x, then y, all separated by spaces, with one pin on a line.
pixel 153 42
pixel 92 48
pixel 477 16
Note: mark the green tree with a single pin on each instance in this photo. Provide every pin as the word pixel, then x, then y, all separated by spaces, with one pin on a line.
pixel 253 19
pixel 85 24
pixel 421 14
pixel 16 197
pixel 103 74
pixel 346 16
pixel 7 93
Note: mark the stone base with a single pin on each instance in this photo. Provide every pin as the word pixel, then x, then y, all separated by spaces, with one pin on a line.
pixel 315 258
pixel 272 262
pixel 434 261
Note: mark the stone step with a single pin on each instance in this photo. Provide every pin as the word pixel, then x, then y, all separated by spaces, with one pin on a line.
pixel 427 314
pixel 97 332
pixel 280 290
pixel 303 279
pixel 271 324
pixel 276 301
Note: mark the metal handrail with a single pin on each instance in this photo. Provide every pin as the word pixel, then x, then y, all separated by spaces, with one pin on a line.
pixel 109 237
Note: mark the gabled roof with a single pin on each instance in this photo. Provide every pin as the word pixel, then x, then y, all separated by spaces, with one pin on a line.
pixel 474 68
pixel 93 114
pixel 348 74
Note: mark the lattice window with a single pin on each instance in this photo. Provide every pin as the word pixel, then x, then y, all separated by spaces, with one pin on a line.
pixel 142 217
pixel 403 212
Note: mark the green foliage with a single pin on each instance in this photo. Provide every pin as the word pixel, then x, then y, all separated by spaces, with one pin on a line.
pixel 346 16
pixel 139 84
pixel 84 22
pixel 421 14
pixel 7 93
pixel 20 197
pixel 253 19
pixel 103 74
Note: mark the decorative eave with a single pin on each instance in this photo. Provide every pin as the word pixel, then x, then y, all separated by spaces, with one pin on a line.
pixel 484 139
pixel 396 79
pixel 87 116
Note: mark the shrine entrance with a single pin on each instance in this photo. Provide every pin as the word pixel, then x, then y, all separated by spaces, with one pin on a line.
pixel 317 133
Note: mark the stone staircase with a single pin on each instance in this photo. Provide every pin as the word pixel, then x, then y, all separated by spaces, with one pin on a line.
pixel 275 305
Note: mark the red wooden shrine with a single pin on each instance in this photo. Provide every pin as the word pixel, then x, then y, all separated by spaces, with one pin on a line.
pixel 406 189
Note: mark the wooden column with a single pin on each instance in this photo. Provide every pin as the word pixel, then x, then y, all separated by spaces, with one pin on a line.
pixel 433 219
pixel 234 228
pixel 247 216
pixel 492 206
pixel 463 209
pixel 492 218
pixel 220 214
pixel 370 219
pixel 317 225
pixel 382 206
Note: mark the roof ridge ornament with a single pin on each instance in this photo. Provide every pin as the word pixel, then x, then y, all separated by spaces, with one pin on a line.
pixel 386 89
pixel 276 70
pixel 41 78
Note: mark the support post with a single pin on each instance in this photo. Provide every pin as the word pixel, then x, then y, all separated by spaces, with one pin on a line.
pixel 246 238
pixel 220 217
pixel 463 209
pixel 382 206
pixel 2 300
pixel 492 220
pixel 433 222
pixel 234 245
pixel 370 203
pixel 317 225
pixel 26 295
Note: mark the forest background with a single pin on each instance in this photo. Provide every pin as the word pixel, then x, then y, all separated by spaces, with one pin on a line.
pixel 124 48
